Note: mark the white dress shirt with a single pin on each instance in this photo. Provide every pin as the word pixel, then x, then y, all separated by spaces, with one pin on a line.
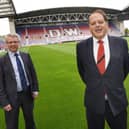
pixel 106 49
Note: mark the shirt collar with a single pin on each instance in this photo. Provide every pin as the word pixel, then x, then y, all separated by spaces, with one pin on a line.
pixel 104 39
pixel 12 53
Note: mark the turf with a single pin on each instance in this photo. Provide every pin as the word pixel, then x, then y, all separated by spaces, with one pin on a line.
pixel 60 104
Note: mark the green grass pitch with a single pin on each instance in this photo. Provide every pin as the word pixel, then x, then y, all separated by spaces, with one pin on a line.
pixel 60 101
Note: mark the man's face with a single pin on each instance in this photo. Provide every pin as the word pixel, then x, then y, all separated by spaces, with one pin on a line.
pixel 12 44
pixel 98 26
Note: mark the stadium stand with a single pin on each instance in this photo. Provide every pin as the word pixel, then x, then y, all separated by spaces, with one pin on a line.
pixel 37 34
pixel 2 45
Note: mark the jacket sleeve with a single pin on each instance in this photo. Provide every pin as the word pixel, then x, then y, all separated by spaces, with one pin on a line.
pixel 126 58
pixel 3 96
pixel 79 62
pixel 34 80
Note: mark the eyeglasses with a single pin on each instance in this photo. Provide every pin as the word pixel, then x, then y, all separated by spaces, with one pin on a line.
pixel 11 42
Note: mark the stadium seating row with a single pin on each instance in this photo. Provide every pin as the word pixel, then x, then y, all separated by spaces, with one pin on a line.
pixel 38 34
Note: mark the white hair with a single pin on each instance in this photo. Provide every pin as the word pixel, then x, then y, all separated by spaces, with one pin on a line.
pixel 12 35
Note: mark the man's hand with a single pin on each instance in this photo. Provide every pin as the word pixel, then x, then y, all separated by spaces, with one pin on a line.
pixel 8 107
pixel 35 94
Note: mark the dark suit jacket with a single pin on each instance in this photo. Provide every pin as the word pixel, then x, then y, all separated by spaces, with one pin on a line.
pixel 111 80
pixel 8 85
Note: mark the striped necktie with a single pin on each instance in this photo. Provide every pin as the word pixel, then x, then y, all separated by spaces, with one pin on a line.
pixel 101 57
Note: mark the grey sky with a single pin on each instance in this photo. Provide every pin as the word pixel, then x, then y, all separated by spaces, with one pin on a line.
pixel 28 5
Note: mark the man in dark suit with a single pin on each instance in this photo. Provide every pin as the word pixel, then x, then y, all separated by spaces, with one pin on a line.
pixel 18 84
pixel 103 65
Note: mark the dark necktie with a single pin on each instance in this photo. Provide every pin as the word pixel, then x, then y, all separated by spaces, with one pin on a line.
pixel 101 57
pixel 21 73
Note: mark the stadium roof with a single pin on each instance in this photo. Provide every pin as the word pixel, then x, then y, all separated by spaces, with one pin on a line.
pixel 30 5
pixel 7 8
pixel 63 10
pixel 57 7
pixel 25 7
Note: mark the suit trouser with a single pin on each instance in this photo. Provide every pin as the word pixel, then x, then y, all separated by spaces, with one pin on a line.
pixel 97 121
pixel 25 101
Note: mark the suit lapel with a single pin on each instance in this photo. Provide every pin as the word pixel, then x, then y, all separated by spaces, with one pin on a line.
pixel 90 52
pixel 111 50
pixel 8 65
pixel 91 56
pixel 24 59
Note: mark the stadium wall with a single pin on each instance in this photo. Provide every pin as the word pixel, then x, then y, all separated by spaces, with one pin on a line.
pixel 40 34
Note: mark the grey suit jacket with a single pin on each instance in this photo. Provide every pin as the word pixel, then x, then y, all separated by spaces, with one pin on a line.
pixel 8 85
pixel 112 80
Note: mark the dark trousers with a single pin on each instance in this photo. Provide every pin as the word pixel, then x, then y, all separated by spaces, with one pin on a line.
pixel 97 121
pixel 26 103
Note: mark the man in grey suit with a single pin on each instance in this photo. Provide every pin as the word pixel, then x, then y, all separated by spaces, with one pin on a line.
pixel 103 65
pixel 18 84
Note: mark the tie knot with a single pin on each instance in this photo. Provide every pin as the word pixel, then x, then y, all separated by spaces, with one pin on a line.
pixel 16 54
pixel 100 41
